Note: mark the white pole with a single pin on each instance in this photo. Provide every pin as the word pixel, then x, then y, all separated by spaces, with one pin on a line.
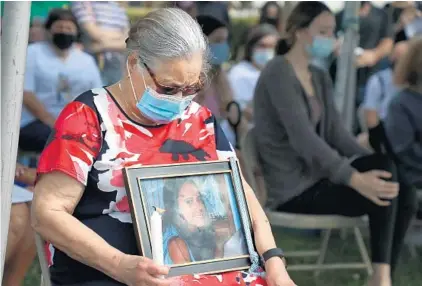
pixel 15 31
pixel 345 88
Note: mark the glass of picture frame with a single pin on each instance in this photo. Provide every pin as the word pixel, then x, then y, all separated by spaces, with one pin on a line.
pixel 205 220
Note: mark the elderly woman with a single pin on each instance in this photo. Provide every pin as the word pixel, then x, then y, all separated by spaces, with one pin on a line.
pixel 148 117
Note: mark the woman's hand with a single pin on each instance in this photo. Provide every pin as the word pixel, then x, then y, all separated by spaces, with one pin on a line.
pixel 141 271
pixel 373 186
pixel 277 274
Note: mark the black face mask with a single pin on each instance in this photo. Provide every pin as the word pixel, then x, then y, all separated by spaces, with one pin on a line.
pixel 63 41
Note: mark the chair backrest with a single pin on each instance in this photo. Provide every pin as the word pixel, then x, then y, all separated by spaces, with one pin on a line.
pixel 252 167
pixel 361 119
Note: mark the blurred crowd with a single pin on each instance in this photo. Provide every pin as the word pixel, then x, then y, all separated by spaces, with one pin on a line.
pixel 82 46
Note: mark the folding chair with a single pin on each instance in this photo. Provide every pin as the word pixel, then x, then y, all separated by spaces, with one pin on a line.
pixel 42 257
pixel 303 221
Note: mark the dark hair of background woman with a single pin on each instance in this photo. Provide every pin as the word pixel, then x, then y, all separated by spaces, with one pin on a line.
pixel 255 35
pixel 264 19
pixel 300 17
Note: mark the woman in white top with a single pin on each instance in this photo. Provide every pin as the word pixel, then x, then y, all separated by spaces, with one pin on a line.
pixel 259 49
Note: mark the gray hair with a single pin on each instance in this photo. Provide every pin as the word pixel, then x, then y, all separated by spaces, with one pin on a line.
pixel 166 34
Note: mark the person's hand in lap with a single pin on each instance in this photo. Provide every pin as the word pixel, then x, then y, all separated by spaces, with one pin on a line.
pixel 141 271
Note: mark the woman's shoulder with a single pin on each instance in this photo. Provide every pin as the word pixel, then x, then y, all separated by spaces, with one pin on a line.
pixel 277 66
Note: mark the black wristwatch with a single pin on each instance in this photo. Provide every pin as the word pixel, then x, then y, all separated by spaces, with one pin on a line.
pixel 274 252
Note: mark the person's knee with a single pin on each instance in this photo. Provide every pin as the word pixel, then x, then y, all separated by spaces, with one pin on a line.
pixel 19 218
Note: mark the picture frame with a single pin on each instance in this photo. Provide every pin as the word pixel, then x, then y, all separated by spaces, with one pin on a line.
pixel 203 229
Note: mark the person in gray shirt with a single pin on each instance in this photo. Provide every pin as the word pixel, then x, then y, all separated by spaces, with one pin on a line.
pixel 306 154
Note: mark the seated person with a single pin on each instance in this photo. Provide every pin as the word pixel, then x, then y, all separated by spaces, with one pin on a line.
pixel 380 90
pixel 20 249
pixel 307 155
pixel 56 72
pixel 259 50
pixel 148 117
pixel 378 93
pixel 403 123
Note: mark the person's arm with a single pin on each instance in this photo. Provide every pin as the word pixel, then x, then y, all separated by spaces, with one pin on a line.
pixel 371 57
pixel 338 136
pixel 84 13
pixel 30 100
pixel 281 85
pixel 399 128
pixel 372 101
pixel 55 198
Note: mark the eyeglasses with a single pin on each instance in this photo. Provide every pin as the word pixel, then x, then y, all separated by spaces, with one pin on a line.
pixel 168 90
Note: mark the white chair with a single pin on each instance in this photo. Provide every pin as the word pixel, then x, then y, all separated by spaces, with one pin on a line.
pixel 302 221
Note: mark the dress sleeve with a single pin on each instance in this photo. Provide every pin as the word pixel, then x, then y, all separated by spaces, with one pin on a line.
pixel 73 144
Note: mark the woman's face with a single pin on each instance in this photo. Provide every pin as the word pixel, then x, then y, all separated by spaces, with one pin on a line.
pixel 172 77
pixel 191 206
pixel 323 26
pixel 264 50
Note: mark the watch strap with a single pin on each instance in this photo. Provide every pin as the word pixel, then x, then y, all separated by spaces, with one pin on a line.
pixel 274 252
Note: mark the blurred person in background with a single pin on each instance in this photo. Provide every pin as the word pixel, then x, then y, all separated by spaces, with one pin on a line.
pixel 311 163
pixel 218 94
pixel 20 249
pixel 56 72
pixel 402 13
pixel 376 40
pixel 36 31
pixel 259 50
pixel 187 6
pixel 403 123
pixel 104 27
pixel 381 89
pixel 271 13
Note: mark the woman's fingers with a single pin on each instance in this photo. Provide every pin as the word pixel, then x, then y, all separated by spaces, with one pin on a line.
pixel 157 270
pixel 381 174
pixel 380 202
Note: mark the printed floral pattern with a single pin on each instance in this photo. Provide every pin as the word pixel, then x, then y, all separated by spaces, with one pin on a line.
pixel 93 141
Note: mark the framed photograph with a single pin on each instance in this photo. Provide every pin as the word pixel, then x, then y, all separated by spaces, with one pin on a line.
pixel 201 228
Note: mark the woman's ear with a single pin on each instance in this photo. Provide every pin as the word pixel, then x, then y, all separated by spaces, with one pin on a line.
pixel 133 61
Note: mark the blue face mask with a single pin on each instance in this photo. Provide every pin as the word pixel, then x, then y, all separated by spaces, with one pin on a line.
pixel 262 56
pixel 220 53
pixel 321 47
pixel 161 108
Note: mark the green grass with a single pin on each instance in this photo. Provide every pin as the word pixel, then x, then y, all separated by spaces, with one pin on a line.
pixel 408 273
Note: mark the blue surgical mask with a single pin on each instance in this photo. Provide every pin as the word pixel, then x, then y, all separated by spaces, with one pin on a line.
pixel 160 108
pixel 321 47
pixel 262 56
pixel 220 53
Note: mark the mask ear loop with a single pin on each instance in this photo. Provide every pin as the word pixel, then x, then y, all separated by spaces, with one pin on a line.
pixel 130 79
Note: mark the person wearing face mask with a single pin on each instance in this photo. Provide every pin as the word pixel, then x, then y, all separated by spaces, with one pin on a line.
pixel 311 163
pixel 259 50
pixel 218 96
pixel 56 72
pixel 148 117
